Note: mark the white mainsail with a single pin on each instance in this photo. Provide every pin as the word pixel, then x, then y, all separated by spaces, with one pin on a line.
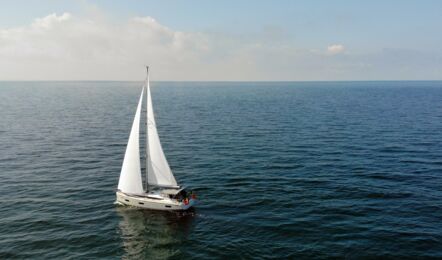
pixel 130 177
pixel 158 170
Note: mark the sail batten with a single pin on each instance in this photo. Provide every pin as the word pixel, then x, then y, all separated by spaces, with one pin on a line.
pixel 130 177
pixel 158 169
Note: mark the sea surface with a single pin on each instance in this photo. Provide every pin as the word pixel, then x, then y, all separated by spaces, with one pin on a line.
pixel 282 170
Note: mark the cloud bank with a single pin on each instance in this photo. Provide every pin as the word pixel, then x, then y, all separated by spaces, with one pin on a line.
pixel 67 47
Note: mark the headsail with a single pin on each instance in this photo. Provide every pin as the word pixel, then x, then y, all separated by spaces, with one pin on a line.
pixel 158 170
pixel 130 177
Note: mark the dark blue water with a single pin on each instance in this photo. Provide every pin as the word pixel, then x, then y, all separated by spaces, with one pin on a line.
pixel 282 170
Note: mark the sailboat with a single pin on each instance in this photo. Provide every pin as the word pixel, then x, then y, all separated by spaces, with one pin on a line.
pixel 161 191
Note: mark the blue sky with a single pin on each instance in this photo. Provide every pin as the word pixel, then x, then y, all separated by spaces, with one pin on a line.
pixel 246 40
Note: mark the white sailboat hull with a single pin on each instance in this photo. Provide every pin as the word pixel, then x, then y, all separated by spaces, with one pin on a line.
pixel 154 203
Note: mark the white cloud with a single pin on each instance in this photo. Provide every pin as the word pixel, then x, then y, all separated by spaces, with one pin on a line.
pixel 50 20
pixel 335 49
pixel 69 47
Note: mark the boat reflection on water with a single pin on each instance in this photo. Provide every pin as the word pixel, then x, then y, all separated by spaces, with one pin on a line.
pixel 148 234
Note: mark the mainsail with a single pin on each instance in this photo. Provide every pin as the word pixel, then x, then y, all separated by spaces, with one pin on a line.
pixel 158 170
pixel 130 177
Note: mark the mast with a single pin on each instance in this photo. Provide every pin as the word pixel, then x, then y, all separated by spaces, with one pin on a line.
pixel 147 128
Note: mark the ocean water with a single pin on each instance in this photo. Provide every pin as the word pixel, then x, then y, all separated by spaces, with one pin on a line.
pixel 282 170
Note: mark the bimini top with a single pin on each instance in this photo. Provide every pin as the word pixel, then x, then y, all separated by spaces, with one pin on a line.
pixel 172 191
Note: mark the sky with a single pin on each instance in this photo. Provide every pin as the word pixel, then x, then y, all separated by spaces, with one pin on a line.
pixel 229 40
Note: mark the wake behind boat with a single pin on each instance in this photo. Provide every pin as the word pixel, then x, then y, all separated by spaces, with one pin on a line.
pixel 161 191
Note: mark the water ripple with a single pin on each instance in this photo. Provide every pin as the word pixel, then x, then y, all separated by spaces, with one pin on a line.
pixel 282 170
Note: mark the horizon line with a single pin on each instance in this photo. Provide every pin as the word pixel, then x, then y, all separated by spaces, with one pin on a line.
pixel 232 81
